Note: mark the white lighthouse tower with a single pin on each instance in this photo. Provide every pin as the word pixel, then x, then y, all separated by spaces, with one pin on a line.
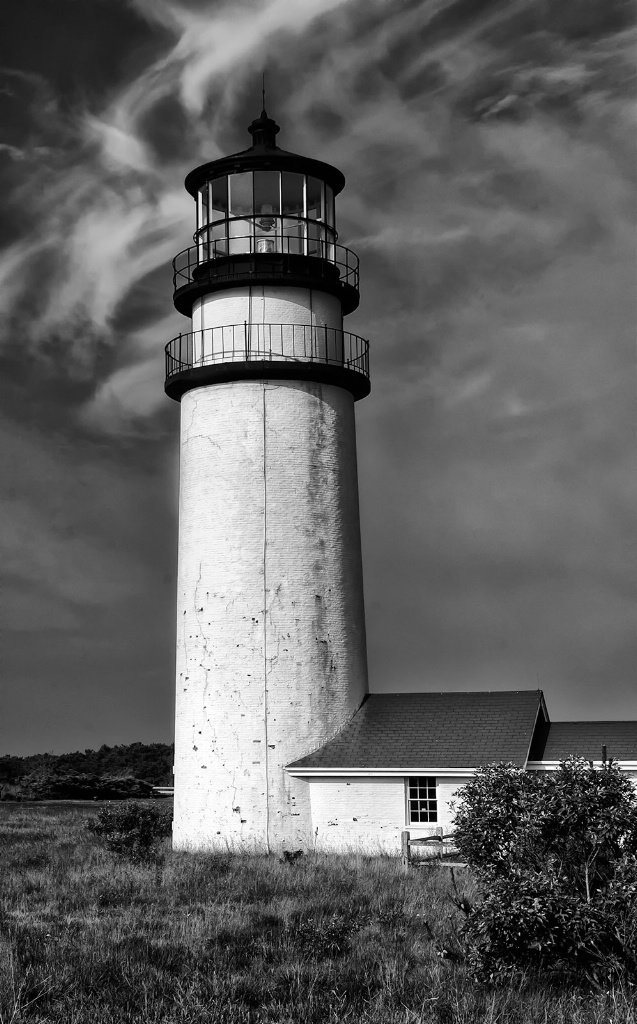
pixel 271 656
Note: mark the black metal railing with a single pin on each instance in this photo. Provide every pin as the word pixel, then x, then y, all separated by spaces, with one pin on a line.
pixel 267 343
pixel 303 233
pixel 225 258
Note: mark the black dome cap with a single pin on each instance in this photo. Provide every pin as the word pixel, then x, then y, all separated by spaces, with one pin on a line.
pixel 264 131
pixel 264 155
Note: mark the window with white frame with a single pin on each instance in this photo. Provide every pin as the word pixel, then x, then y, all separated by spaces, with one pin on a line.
pixel 422 803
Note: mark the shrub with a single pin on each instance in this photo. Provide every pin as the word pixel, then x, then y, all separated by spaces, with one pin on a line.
pixel 554 856
pixel 323 939
pixel 131 830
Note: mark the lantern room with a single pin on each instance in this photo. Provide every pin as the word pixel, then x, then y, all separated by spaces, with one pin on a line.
pixel 266 283
pixel 265 215
pixel 265 212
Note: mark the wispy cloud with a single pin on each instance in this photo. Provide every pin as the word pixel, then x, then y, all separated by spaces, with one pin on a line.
pixel 489 196
pixel 453 185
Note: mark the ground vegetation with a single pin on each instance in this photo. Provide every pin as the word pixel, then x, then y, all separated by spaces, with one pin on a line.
pixel 88 934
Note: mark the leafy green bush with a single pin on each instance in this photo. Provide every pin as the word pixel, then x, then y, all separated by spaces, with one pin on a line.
pixel 131 830
pixel 555 860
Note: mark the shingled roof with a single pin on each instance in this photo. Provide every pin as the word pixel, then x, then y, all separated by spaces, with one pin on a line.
pixel 585 739
pixel 434 730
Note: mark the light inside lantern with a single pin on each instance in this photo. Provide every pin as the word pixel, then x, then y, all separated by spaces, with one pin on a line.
pixel 266 223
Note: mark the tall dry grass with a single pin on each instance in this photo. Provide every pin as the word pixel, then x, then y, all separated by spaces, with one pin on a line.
pixel 89 939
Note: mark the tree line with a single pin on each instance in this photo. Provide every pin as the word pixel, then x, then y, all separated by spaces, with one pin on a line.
pixel 124 770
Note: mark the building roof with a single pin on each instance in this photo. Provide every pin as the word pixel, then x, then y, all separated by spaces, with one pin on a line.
pixel 585 739
pixel 434 730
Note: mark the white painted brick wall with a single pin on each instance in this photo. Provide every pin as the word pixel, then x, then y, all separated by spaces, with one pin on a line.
pixel 257 306
pixel 368 814
pixel 271 655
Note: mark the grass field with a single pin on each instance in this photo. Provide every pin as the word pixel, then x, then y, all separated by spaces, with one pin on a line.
pixel 88 939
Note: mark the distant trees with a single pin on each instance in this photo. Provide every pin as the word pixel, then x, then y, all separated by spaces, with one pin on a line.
pixel 555 857
pixel 65 785
pixel 110 772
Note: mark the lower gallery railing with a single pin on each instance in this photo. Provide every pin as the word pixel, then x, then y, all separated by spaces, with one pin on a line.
pixel 267 343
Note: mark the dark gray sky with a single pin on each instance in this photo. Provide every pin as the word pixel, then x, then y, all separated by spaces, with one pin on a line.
pixel 488 148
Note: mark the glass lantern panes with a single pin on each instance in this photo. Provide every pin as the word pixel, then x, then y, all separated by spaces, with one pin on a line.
pixel 314 199
pixel 265 212
pixel 315 225
pixel 267 198
pixel 240 188
pixel 203 206
pixel 293 210
pixel 202 220
pixel 267 207
pixel 422 802
pixel 218 239
pixel 293 193
pixel 240 226
pixel 218 199
pixel 330 216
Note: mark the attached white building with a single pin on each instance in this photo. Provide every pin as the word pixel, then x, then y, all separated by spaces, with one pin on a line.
pixel 400 761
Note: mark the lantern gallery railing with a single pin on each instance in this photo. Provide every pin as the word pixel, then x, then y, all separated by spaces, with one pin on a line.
pixel 254 343
pixel 225 258
pixel 272 233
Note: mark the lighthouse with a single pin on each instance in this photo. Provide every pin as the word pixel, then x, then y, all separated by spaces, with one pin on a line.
pixel 271 654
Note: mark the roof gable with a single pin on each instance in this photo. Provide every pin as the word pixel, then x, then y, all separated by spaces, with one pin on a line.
pixel 434 730
pixel 585 739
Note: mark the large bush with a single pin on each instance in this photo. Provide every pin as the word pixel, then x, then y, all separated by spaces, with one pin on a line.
pixel 555 859
pixel 131 830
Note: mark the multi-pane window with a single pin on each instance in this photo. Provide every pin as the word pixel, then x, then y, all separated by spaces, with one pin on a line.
pixel 266 211
pixel 422 804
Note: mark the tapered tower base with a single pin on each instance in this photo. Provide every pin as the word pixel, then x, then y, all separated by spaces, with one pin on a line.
pixel 271 657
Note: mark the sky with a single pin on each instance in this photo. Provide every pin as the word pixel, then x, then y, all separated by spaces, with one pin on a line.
pixel 488 151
